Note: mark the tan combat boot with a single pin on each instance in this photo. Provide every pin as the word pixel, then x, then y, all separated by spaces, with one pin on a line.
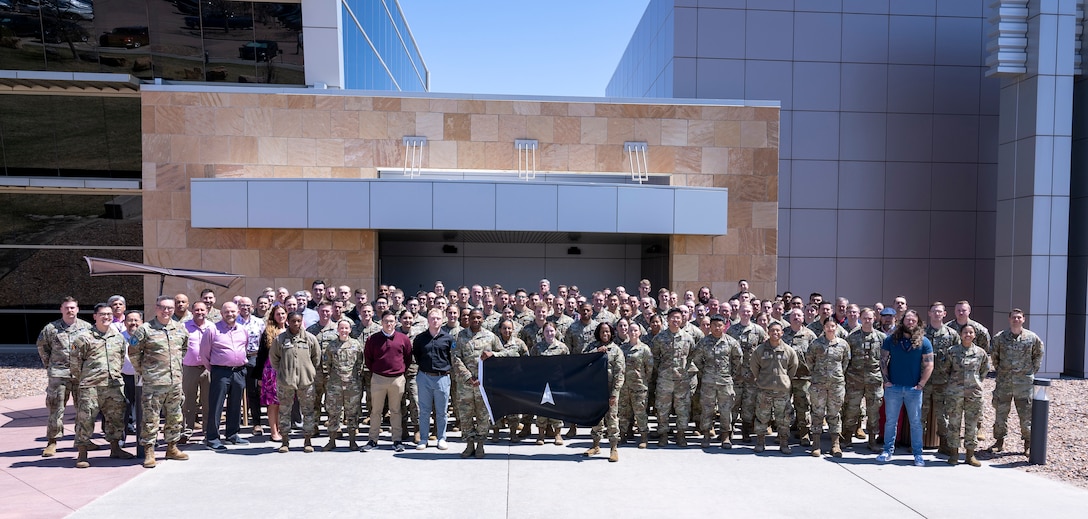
pixel 479 449
pixel 149 456
pixel 50 449
pixel 172 452
pixel 999 445
pixel 836 450
pixel 559 435
pixel 761 442
pixel 332 441
pixel 643 441
pixel 971 460
pixel 351 440
pixel 117 453
pixel 859 433
pixel 954 457
pixel 573 431
pixel 307 446
pixel 595 449
pixel 816 440
pixel 285 445
pixel 470 449
pixel 614 454
pixel 540 438
pixel 81 458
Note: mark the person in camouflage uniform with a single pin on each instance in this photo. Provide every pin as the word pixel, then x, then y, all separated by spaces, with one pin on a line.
pixel 799 337
pixel 716 357
pixel 965 366
pixel 863 379
pixel 515 347
pixel 827 359
pixel 773 364
pixel 603 336
pixel 549 346
pixel 155 350
pixel 54 347
pixel 638 364
pixel 325 332
pixel 362 331
pixel 96 359
pixel 296 357
pixel 671 349
pixel 749 335
pixel 982 335
pixel 933 410
pixel 345 364
pixel 1017 355
pixel 473 345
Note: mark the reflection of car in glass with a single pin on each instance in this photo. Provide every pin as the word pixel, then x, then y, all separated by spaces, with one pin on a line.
pixel 75 9
pixel 63 31
pixel 21 25
pixel 259 50
pixel 129 37
pixel 219 21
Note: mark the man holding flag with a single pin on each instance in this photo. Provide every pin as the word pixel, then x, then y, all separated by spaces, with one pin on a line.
pixel 474 344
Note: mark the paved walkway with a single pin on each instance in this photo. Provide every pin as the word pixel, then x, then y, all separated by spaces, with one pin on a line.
pixel 516 481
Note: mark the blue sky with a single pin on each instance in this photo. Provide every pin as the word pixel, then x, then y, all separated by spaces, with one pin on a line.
pixel 551 47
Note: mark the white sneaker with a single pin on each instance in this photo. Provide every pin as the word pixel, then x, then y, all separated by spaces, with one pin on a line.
pixel 442 445
pixel 421 446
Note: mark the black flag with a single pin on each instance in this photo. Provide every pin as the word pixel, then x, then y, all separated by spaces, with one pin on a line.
pixel 573 388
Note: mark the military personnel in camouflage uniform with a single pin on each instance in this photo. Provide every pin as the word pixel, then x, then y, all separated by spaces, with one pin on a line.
pixel 325 332
pixel 155 350
pixel 965 366
pixel 749 335
pixel 549 346
pixel 638 364
pixel 532 333
pixel 943 338
pixel 580 332
pixel 616 372
pixel 799 337
pixel 54 348
pixel 473 345
pixel 827 359
pixel 773 364
pixel 826 310
pixel 409 327
pixel 296 357
pixel 671 349
pixel 362 331
pixel 96 360
pixel 562 322
pixel 717 356
pixel 514 347
pixel 863 378
pixel 1017 355
pixel 345 365
pixel 982 335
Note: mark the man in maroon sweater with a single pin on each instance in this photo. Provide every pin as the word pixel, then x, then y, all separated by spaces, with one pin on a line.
pixel 387 355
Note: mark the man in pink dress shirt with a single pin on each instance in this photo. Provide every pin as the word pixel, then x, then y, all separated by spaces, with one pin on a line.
pixel 223 353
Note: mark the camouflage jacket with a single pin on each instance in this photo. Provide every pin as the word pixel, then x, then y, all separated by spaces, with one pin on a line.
pixel 1017 358
pixel 325 336
pixel 295 358
pixel 579 334
pixel 982 335
pixel 616 365
pixel 55 345
pixel 638 363
pixel 717 359
pixel 345 360
pixel 97 358
pixel 943 339
pixel 965 369
pixel 467 349
pixel 773 368
pixel 865 351
pixel 532 333
pixel 543 350
pixel 515 346
pixel 827 361
pixel 749 338
pixel 562 323
pixel 156 350
pixel 800 341
pixel 671 352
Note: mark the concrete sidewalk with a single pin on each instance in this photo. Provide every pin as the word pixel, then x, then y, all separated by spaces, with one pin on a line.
pixel 523 480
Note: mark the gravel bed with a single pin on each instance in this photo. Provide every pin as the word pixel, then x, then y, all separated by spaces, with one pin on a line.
pixel 21 375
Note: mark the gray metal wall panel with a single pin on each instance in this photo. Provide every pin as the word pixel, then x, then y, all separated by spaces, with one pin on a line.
pixel 219 204
pixel 464 206
pixel 587 208
pixel 396 205
pixel 274 204
pixel 699 211
pixel 526 207
pixel 654 202
pixel 328 201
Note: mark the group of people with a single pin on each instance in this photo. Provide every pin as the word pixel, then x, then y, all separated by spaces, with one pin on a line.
pixel 779 366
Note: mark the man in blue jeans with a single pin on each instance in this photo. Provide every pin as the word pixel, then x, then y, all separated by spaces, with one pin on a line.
pixel 431 349
pixel 906 362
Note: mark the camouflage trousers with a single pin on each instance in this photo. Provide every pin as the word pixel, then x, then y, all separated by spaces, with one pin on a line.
pixel 776 406
pixel 411 400
pixel 696 395
pixel 471 408
pixel 632 408
pixel 721 396
pixel 744 404
pixel 1004 397
pixel 110 400
pixel 965 411
pixel 933 399
pixel 340 400
pixel 367 399
pixel 320 385
pixel 673 395
pixel 801 405
pixel 305 402
pixel 609 422
pixel 167 400
pixel 56 397
pixel 826 405
pixel 873 393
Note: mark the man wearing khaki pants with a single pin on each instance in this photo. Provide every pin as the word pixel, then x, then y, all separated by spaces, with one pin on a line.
pixel 388 355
